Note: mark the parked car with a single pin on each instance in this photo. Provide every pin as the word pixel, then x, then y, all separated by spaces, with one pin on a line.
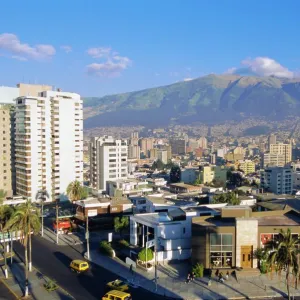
pixel 118 284
pixel 116 295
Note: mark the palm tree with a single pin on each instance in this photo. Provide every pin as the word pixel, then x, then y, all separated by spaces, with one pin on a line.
pixel 26 220
pixel 75 190
pixel 284 255
pixel 5 214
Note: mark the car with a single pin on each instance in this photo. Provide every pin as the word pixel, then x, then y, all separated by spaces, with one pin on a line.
pixel 116 295
pixel 79 266
pixel 118 285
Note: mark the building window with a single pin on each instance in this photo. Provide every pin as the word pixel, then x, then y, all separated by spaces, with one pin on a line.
pixel 221 250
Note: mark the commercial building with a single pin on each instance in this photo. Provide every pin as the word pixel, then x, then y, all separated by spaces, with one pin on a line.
pixel 48 143
pixel 229 240
pixel 277 180
pixel 273 160
pixel 170 233
pixel 284 149
pixel 247 166
pixel 108 161
pixel 103 206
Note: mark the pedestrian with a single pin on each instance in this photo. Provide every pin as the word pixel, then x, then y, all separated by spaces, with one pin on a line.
pixel 217 273
pixel 131 270
pixel 188 279
pixel 193 276
pixel 221 278
pixel 227 275
pixel 209 273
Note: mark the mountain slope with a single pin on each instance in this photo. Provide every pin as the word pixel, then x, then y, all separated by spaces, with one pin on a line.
pixel 210 98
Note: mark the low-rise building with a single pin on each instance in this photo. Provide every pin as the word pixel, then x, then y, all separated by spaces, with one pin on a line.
pixel 125 187
pixel 102 207
pixel 207 174
pixel 181 187
pixel 189 174
pixel 229 240
pixel 170 233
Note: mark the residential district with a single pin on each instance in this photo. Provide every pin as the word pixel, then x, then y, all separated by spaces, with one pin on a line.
pixel 166 213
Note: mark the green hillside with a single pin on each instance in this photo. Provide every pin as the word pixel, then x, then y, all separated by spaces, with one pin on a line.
pixel 210 98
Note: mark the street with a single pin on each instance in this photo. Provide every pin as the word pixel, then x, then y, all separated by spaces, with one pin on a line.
pixel 54 261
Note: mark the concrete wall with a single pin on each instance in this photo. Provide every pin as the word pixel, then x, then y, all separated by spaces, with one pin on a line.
pixel 246 235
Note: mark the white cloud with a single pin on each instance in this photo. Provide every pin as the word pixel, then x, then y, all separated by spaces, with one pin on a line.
pixel 21 58
pixel 66 48
pixel 262 66
pixel 188 79
pixel 99 52
pixel 111 64
pixel 10 43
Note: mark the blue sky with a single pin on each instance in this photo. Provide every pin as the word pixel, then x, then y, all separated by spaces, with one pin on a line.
pixel 106 47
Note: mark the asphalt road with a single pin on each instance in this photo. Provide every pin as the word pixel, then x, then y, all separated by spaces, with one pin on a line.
pixel 54 261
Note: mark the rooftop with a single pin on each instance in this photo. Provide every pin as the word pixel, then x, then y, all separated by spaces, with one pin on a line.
pixel 105 201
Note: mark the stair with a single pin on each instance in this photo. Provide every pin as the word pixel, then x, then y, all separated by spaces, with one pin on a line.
pixel 246 273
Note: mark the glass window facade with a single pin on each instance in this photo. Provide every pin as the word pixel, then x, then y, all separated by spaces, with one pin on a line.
pixel 221 250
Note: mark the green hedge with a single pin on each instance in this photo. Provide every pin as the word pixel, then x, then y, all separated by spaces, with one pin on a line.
pixel 123 243
pixel 105 248
pixel 142 254
pixel 198 269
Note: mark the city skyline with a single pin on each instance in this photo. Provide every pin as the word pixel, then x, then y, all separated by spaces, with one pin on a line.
pixel 105 49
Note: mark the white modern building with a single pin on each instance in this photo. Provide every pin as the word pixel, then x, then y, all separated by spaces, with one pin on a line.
pixel 277 180
pixel 170 233
pixel 108 161
pixel 48 143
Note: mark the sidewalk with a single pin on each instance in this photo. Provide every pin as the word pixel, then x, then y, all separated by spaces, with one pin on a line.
pixel 171 282
pixel 16 282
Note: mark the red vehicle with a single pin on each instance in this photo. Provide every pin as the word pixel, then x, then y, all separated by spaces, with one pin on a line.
pixel 62 225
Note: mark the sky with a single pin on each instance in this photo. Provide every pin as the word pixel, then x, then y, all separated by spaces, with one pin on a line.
pixel 97 47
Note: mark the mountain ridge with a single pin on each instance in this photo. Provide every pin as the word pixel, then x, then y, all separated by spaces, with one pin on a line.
pixel 210 98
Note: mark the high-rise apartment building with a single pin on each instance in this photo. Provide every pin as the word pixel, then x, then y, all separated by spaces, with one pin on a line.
pixel 272 140
pixel 247 166
pixel 284 149
pixel 108 161
pixel 162 155
pixel 134 151
pixel 7 170
pixel 202 142
pixel 48 143
pixel 178 146
pixel 273 160
pixel 146 145
pixel 277 180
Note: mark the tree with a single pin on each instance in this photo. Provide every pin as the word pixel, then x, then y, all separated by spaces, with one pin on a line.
pixel 5 214
pixel 229 197
pixel 158 164
pixel 197 181
pixel 261 254
pixel 120 224
pixel 175 174
pixel 143 257
pixel 76 191
pixel 26 220
pixel 284 255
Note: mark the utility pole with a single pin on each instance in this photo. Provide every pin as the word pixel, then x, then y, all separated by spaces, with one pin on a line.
pixel 42 217
pixel 11 248
pixel 57 222
pixel 87 237
pixel 155 251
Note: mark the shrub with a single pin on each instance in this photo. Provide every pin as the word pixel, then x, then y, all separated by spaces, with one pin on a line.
pixel 105 248
pixel 198 269
pixel 264 267
pixel 123 243
pixel 142 254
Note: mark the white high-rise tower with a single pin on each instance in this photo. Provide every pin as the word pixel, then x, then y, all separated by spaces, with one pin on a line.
pixel 49 143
